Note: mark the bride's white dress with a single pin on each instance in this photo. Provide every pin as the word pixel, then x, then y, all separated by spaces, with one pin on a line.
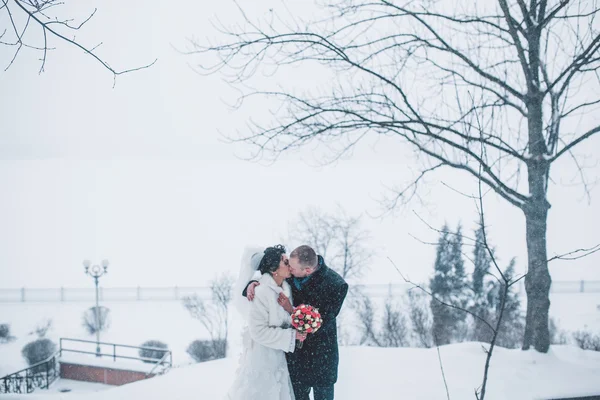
pixel 263 372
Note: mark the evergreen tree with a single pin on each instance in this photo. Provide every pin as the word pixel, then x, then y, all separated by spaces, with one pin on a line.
pixel 482 261
pixel 448 285
pixel 481 286
pixel 458 277
pixel 460 292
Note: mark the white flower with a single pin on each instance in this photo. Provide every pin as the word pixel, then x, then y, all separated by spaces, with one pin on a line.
pixel 314 325
pixel 307 326
pixel 298 312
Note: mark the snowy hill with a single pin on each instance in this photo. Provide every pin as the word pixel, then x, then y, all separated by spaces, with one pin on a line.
pixel 376 373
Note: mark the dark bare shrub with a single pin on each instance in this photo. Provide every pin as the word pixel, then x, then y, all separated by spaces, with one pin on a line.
pixel 154 354
pixel 38 350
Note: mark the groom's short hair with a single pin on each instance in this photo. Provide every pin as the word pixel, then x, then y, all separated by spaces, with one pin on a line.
pixel 306 256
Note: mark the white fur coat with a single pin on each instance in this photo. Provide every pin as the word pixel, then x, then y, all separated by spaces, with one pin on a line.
pixel 268 322
pixel 263 372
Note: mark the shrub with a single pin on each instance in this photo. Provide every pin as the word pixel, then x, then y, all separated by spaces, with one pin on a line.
pixel 206 350
pixel 38 350
pixel 420 318
pixel 587 340
pixel 557 335
pixel 153 354
pixel 5 335
pixel 42 328
pixel 394 330
pixel 89 320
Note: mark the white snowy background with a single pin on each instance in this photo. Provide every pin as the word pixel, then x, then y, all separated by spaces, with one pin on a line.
pixel 140 175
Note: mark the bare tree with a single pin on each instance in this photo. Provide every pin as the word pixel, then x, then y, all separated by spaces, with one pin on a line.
pixel 394 329
pixel 340 238
pixel 365 312
pixel 36 24
pixel 214 315
pixel 420 319
pixel 424 72
pixel 314 228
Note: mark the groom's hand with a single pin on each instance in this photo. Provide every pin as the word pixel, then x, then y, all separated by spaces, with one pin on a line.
pixel 284 302
pixel 250 291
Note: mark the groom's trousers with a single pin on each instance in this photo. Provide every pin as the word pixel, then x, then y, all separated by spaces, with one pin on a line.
pixel 319 392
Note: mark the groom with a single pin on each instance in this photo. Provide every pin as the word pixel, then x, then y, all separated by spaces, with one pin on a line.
pixel 315 365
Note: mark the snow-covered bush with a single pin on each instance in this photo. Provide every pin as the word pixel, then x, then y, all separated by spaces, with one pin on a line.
pixel 420 319
pixel 557 335
pixel 38 350
pixel 206 350
pixel 42 328
pixel 587 340
pixel 93 323
pixel 154 354
pixel 5 335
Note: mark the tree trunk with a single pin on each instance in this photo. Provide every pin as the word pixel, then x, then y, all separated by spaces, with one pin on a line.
pixel 537 281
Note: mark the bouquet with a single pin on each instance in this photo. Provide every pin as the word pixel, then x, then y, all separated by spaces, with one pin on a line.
pixel 306 319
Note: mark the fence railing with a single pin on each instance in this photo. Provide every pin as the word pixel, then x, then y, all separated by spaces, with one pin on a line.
pixel 44 373
pixel 162 360
pixel 62 294
pixel 177 293
pixel 40 375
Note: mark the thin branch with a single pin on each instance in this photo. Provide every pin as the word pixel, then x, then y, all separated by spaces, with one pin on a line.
pixel 572 144
pixel 576 254
pixel 47 27
pixel 420 287
pixel 437 347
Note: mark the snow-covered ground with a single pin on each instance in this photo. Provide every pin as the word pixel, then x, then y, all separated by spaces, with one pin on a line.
pixel 403 373
pixel 407 373
pixel 132 323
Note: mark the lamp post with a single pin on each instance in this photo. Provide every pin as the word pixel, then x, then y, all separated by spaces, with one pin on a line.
pixel 96 271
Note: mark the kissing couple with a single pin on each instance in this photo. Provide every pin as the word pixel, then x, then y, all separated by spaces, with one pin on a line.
pixel 272 366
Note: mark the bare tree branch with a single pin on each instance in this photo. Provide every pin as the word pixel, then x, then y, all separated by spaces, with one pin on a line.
pixel 407 71
pixel 575 142
pixel 35 11
pixel 576 254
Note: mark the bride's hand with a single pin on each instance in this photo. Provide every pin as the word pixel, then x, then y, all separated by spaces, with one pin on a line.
pixel 300 336
pixel 285 303
pixel 250 291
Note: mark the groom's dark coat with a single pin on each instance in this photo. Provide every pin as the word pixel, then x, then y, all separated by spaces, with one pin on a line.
pixel 316 363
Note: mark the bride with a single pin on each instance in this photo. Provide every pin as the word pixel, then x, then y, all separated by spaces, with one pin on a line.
pixel 263 372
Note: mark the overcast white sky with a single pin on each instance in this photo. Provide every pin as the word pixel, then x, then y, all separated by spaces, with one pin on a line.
pixel 139 174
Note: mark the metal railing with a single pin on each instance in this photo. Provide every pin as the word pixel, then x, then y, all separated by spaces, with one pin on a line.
pixel 43 374
pixel 166 360
pixel 40 375
pixel 62 294
pixel 177 293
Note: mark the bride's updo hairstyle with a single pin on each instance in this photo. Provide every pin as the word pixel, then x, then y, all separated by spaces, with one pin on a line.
pixel 271 259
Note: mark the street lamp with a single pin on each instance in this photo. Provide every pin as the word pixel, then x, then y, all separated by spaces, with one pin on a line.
pixel 95 271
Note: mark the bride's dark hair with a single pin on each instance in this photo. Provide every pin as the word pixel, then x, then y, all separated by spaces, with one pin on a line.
pixel 271 259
